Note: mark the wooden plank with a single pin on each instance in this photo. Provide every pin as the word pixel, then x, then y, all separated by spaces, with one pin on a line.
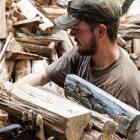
pixel 62 118
pixel 3 32
pixel 95 98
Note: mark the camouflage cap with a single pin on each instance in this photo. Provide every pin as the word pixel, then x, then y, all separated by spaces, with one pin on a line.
pixel 99 11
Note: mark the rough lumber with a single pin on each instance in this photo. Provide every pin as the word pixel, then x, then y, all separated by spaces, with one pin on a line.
pixel 62 118
pixel 2 20
pixel 94 98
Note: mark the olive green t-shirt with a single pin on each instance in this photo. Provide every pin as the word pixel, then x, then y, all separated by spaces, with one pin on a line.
pixel 121 79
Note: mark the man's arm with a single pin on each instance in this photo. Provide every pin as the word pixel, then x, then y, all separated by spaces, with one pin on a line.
pixel 34 79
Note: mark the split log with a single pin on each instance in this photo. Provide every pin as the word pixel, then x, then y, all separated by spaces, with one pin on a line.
pixel 30 12
pixel 11 55
pixel 39 65
pixel 44 51
pixel 3 32
pixel 53 11
pixel 6 69
pixel 95 98
pixel 22 68
pixel 37 41
pixel 28 22
pixel 136 46
pixel 62 118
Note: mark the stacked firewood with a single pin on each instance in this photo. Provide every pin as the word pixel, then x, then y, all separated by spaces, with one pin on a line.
pixel 129 32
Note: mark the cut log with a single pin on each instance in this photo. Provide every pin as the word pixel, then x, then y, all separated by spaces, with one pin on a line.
pixel 94 98
pixel 3 32
pixel 62 118
pixel 53 11
pixel 43 42
pixel 5 46
pixel 136 46
pixel 6 69
pixel 11 55
pixel 22 68
pixel 44 51
pixel 28 22
pixel 39 65
pixel 30 12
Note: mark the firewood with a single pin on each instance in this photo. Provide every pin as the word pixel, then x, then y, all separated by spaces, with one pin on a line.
pixel 62 118
pixel 136 46
pixel 22 68
pixel 53 11
pixel 3 32
pixel 19 15
pixel 94 98
pixel 30 12
pixel 39 65
pixel 28 22
pixel 12 55
pixel 6 69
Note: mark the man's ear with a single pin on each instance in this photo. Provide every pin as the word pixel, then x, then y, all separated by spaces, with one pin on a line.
pixel 102 30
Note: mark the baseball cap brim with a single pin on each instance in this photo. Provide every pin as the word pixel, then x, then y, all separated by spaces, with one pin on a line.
pixel 65 21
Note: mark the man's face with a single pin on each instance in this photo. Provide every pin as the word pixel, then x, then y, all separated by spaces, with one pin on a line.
pixel 85 37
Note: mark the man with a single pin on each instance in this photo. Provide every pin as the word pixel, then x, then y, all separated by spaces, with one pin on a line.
pixel 97 58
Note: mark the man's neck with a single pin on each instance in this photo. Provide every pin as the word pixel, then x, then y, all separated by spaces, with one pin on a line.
pixel 106 55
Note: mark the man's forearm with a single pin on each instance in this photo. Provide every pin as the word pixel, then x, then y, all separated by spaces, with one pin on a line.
pixel 34 79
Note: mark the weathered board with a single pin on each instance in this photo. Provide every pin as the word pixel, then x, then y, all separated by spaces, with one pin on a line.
pixel 95 98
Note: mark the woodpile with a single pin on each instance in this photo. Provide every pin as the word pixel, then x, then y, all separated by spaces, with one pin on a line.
pixel 28 43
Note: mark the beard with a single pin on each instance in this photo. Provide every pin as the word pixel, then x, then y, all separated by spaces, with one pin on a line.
pixel 88 49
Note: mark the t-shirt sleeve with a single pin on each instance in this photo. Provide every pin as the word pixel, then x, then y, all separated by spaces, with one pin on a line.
pixel 58 70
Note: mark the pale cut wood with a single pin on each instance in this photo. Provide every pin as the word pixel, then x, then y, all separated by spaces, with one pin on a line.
pixel 22 68
pixel 5 46
pixel 62 118
pixel 3 32
pixel 39 65
pixel 53 11
pixel 95 98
